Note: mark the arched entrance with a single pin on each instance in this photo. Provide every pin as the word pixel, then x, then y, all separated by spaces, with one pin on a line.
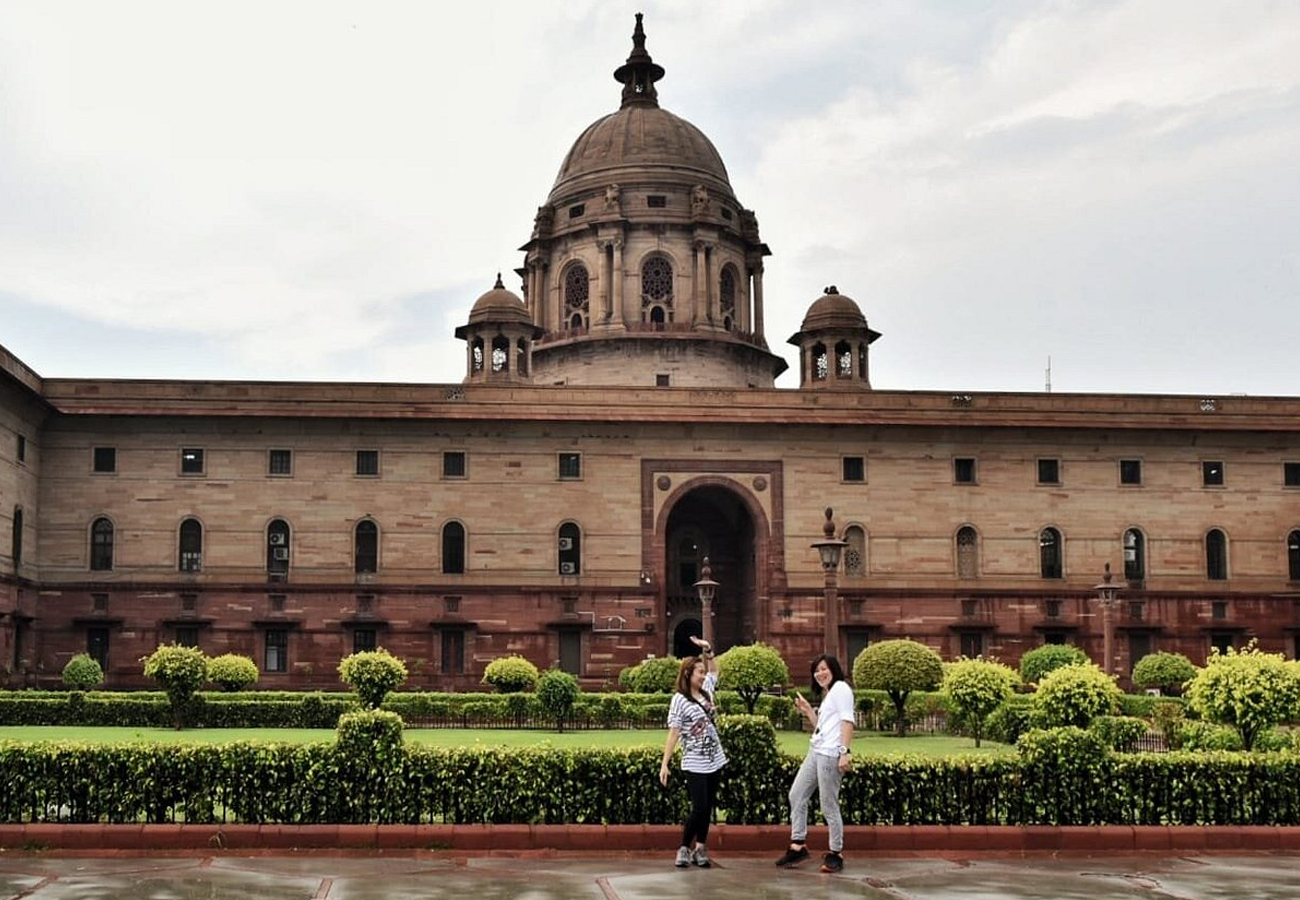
pixel 683 631
pixel 711 520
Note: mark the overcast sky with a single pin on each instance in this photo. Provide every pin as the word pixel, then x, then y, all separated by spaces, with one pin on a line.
pixel 320 190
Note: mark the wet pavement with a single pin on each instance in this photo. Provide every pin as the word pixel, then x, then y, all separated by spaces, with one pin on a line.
pixel 622 877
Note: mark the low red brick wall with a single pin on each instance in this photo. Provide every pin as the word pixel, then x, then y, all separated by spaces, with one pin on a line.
pixel 747 839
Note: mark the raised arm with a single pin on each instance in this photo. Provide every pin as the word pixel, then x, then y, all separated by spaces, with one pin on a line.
pixel 706 651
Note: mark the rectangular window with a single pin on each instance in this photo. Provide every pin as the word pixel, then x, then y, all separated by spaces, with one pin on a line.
pixel 22 448
pixel 570 466
pixel 189 602
pixel 1291 474
pixel 1137 610
pixel 451 604
pixel 277 650
pixel 97 646
pixel 855 468
pixel 99 602
pixel 969 608
pixel 656 201
pixel 279 462
pixel 662 380
pixel 191 461
pixel 1052 609
pixel 1053 637
pixel 187 635
pixel 1049 471
pixel 453 652
pixel 972 644
pixel 1212 473
pixel 577 210
pixel 105 459
pixel 1219 610
pixel 367 462
pixel 363 640
pixel 963 470
pixel 1130 471
pixel 453 464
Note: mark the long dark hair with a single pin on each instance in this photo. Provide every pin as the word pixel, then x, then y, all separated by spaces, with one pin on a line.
pixel 837 672
pixel 683 684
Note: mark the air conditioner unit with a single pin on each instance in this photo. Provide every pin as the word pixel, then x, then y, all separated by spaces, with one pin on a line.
pixel 280 553
pixel 566 543
pixel 568 568
pixel 277 539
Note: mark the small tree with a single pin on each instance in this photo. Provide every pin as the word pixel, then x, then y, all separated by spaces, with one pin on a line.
pixel 976 687
pixel 372 674
pixel 83 673
pixel 1041 660
pixel 511 673
pixel 751 669
pixel 1166 671
pixel 556 693
pixel 180 671
pixel 1074 695
pixel 232 672
pixel 651 676
pixel 898 667
pixel 1247 689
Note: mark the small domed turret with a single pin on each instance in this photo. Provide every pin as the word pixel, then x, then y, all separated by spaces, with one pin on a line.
pixel 833 343
pixel 499 337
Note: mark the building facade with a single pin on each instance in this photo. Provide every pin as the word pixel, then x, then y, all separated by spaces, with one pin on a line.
pixel 617 425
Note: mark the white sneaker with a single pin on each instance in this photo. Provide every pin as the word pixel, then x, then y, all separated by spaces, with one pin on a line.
pixel 702 856
pixel 683 857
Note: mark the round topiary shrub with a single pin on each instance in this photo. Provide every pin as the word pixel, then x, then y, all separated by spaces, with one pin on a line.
pixel 556 693
pixel 657 675
pixel 83 673
pixel 1166 671
pixel 1074 695
pixel 1041 660
pixel 898 667
pixel 751 669
pixel 975 688
pixel 511 673
pixel 180 671
pixel 372 674
pixel 369 734
pixel 232 672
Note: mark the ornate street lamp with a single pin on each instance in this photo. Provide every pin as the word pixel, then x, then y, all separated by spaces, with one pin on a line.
pixel 1108 597
pixel 706 589
pixel 830 548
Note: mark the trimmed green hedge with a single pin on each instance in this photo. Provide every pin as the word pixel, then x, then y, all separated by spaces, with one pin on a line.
pixel 1060 777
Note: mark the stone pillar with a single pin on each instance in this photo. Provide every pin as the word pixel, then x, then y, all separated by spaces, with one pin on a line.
pixel 696 299
pixel 758 300
pixel 621 316
pixel 710 295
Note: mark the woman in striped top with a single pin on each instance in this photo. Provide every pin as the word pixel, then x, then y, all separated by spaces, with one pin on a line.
pixel 691 721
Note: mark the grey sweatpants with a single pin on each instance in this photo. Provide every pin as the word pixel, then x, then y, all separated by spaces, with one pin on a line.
pixel 821 774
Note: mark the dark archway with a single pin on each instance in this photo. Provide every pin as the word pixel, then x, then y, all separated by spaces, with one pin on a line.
pixel 712 520
pixel 686 629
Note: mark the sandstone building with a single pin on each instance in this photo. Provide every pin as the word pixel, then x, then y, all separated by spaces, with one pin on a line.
pixel 618 423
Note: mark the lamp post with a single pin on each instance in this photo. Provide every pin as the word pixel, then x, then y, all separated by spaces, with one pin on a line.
pixel 1107 596
pixel 706 589
pixel 830 548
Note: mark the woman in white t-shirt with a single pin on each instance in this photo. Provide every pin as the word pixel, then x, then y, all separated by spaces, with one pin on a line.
pixel 691 721
pixel 824 766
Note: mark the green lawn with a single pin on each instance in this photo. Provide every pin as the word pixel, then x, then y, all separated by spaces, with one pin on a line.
pixel 870 744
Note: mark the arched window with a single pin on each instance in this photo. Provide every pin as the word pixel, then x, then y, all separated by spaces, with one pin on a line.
pixel 18 537
pixel 1135 555
pixel 277 547
pixel 365 547
pixel 500 353
pixel 820 362
pixel 1049 553
pixel 1216 555
pixel 191 546
pixel 521 356
pixel 727 297
pixel 657 290
pixel 855 554
pixel 862 361
pixel 101 545
pixel 577 303
pixel 570 549
pixel 1293 555
pixel 968 562
pixel 843 360
pixel 453 548
pixel 476 355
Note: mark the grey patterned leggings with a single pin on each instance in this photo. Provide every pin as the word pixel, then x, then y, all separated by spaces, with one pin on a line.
pixel 821 774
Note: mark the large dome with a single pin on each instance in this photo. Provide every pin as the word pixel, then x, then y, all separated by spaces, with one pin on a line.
pixel 641 137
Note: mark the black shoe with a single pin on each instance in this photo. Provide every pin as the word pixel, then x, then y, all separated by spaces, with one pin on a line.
pixel 832 863
pixel 791 856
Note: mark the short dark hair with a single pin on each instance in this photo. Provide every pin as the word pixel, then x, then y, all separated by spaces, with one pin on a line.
pixel 837 671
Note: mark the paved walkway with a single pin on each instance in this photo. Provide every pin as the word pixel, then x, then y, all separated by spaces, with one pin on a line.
pixel 622 877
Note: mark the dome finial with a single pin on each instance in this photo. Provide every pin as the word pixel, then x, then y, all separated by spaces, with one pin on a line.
pixel 498 286
pixel 639 74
